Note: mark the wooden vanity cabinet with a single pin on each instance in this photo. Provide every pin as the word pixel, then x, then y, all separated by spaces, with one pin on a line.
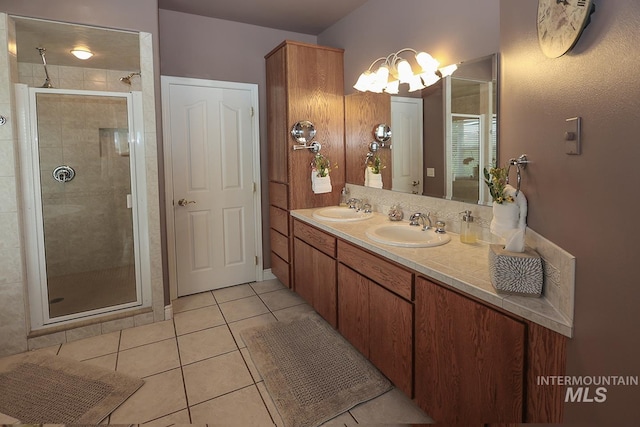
pixel 303 82
pixel 470 359
pixel 315 272
pixel 375 312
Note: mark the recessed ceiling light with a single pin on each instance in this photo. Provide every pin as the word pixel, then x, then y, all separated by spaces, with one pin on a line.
pixel 81 53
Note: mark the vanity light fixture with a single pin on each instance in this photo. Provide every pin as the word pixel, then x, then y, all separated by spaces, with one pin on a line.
pixel 81 53
pixel 395 70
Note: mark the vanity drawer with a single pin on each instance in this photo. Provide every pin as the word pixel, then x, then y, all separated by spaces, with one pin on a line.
pixel 280 245
pixel 381 271
pixel 316 238
pixel 278 195
pixel 279 220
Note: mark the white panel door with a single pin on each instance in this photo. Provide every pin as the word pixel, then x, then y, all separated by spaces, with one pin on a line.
pixel 406 148
pixel 211 131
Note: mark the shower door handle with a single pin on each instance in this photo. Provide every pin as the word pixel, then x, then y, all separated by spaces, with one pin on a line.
pixel 185 202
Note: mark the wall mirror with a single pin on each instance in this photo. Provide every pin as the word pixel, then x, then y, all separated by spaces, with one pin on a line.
pixel 443 136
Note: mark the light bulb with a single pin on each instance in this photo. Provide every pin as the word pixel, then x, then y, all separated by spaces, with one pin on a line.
pixel 448 70
pixel 427 62
pixel 364 81
pixel 429 78
pixel 405 73
pixel 381 79
pixel 415 84
pixel 393 87
pixel 81 53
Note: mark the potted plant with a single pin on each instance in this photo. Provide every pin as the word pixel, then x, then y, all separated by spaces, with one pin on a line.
pixel 506 213
pixel 321 165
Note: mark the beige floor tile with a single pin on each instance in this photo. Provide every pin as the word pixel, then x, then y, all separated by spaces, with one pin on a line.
pixel 146 334
pixel 89 348
pixel 343 420
pixel 392 407
pixel 243 309
pixel 233 293
pixel 149 359
pixel 255 374
pixel 180 417
pixel 294 312
pixel 241 325
pixel 6 420
pixel 191 302
pixel 197 320
pixel 242 407
pixel 271 407
pixel 216 376
pixel 204 344
pixel 160 395
pixel 283 298
pixel 107 362
pixel 267 286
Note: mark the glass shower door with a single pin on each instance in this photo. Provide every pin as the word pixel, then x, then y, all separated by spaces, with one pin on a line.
pixel 85 182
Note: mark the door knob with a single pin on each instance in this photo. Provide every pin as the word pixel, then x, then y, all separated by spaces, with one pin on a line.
pixel 415 183
pixel 185 202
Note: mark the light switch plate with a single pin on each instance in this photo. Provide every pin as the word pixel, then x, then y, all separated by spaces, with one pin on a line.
pixel 431 172
pixel 573 136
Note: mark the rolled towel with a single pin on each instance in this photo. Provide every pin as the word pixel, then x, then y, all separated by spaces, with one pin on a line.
pixel 510 220
pixel 320 184
pixel 372 179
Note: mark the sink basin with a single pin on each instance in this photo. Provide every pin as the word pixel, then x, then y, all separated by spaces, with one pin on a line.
pixel 404 235
pixel 340 214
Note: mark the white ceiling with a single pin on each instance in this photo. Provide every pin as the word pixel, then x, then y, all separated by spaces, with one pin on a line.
pixel 301 16
pixel 114 50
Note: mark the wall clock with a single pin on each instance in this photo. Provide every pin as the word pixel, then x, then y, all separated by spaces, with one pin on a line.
pixel 560 24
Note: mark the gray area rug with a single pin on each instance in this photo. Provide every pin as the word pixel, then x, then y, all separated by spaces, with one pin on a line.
pixel 312 373
pixel 47 389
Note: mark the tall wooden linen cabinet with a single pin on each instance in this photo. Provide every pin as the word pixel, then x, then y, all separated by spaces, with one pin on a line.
pixel 304 82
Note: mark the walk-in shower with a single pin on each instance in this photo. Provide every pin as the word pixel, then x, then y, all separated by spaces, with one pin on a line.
pixel 87 213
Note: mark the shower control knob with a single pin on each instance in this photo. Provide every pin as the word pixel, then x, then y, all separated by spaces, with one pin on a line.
pixel 185 202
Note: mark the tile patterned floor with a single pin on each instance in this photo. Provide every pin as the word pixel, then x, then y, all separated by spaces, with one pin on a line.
pixel 177 359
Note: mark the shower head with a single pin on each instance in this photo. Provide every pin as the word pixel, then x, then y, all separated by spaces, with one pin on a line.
pixel 127 79
pixel 47 82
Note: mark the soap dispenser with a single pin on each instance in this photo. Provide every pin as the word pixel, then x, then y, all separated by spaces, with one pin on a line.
pixel 344 196
pixel 468 233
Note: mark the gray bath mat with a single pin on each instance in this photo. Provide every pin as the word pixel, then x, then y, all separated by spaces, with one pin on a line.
pixel 312 373
pixel 47 389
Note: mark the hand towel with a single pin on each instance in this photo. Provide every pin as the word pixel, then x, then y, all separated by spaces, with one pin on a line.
pixel 320 184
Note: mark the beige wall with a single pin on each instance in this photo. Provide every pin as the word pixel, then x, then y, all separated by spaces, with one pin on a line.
pixel 587 204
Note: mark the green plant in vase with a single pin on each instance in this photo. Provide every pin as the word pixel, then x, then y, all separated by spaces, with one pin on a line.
pixel 496 180
pixel 376 165
pixel 322 165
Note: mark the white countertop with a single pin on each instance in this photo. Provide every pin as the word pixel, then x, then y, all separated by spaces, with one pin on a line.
pixel 461 266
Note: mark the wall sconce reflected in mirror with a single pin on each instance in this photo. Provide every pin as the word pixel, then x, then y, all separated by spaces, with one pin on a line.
pixel 382 135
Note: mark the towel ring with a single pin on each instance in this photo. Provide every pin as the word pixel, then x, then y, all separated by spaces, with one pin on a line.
pixel 520 161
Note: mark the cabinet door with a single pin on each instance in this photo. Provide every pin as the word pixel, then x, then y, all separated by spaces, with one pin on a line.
pixel 469 359
pixel 353 308
pixel 315 280
pixel 391 336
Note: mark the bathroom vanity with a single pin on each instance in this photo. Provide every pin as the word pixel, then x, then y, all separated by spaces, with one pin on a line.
pixel 429 319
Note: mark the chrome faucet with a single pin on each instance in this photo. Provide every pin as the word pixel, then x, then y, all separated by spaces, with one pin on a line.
pixel 418 217
pixel 353 203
